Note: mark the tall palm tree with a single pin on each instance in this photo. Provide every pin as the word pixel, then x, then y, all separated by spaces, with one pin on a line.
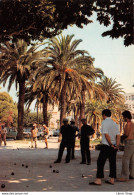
pixel 112 90
pixel 71 67
pixel 19 62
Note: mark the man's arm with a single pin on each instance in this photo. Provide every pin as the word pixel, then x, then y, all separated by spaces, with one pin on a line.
pixel 108 139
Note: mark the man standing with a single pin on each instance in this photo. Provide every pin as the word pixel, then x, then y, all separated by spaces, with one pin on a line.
pixel 86 131
pixel 3 134
pixel 34 132
pixel 74 128
pixel 46 132
pixel 110 140
pixel 128 157
pixel 67 133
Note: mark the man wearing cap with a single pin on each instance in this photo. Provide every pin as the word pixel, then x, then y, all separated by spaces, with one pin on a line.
pixel 86 131
pixel 74 128
pixel 67 134
pixel 34 132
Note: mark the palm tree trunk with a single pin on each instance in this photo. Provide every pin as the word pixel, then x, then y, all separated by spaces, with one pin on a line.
pixel 21 109
pixel 45 103
pixel 63 104
pixel 82 107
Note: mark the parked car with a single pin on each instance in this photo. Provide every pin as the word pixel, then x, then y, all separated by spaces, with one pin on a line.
pixel 40 133
pixel 50 133
pixel 27 132
pixel 56 133
pixel 11 133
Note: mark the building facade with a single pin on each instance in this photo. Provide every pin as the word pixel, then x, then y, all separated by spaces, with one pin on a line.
pixel 129 101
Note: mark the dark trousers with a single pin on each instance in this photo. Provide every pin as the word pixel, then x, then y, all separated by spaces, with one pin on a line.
pixel 72 149
pixel 85 152
pixel 106 152
pixel 61 150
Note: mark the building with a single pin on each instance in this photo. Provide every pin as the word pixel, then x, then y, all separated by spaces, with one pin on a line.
pixel 129 101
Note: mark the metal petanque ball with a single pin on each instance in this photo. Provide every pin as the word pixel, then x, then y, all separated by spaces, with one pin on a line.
pixel 2 185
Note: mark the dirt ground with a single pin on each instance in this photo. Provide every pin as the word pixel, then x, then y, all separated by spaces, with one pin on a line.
pixel 23 169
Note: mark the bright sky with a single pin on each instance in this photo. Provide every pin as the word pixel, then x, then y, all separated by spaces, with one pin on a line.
pixel 116 60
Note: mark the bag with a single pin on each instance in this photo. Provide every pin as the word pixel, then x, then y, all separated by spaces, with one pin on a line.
pixel 123 137
pixel 98 147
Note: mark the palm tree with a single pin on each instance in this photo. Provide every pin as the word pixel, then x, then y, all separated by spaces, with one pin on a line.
pixel 71 67
pixel 19 62
pixel 112 90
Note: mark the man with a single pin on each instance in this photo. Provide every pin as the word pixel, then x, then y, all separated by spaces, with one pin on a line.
pixel 86 131
pixel 3 134
pixel 34 132
pixel 128 157
pixel 110 140
pixel 46 132
pixel 67 134
pixel 74 128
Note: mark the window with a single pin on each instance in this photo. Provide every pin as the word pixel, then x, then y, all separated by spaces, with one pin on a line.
pixel 129 97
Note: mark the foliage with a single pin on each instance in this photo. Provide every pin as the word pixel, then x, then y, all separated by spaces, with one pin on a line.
pixel 17 62
pixel 30 117
pixel 8 109
pixel 120 14
pixel 43 18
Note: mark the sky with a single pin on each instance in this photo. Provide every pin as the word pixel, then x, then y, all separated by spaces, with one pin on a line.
pixel 116 60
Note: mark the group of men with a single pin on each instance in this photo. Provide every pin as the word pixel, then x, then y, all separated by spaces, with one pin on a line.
pixel 68 132
pixel 110 145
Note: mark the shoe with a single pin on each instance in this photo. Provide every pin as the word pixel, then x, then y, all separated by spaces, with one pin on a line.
pixel 67 161
pixel 95 184
pixel 57 161
pixel 109 182
pixel 82 162
pixel 130 177
pixel 122 179
pixel 89 163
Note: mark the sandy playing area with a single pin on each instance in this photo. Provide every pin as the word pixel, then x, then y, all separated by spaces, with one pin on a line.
pixel 25 169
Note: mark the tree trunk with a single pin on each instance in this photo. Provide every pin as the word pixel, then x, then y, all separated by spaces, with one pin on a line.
pixel 45 103
pixel 63 104
pixel 21 109
pixel 82 107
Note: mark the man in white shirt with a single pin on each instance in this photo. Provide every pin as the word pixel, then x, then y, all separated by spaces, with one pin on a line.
pixel 110 140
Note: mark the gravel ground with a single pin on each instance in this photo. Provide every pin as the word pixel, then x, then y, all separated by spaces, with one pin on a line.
pixel 26 169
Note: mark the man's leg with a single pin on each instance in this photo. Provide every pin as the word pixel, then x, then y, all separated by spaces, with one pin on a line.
pixel 83 153
pixel 101 162
pixel 72 147
pixel 68 153
pixel 88 154
pixel 35 140
pixel 4 138
pixel 125 163
pixel 61 150
pixel 132 166
pixel 112 163
pixel 31 142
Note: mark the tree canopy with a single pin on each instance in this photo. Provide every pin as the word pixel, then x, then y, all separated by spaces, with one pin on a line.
pixel 32 20
pixel 8 109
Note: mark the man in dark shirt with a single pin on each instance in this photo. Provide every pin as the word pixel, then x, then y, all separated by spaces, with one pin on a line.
pixel 75 128
pixel 67 134
pixel 86 131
